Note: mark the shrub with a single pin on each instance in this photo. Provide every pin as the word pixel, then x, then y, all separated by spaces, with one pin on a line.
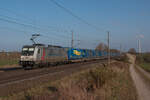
pixel 124 58
pixel 143 58
pixel 86 84
pixel 96 78
pixel 146 57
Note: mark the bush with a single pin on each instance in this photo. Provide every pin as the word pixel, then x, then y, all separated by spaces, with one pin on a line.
pixel 86 84
pixel 132 51
pixel 123 58
pixel 143 58
pixel 144 61
pixel 97 77
pixel 146 58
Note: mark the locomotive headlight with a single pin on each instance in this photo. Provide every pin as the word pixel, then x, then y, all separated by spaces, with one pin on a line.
pixel 22 58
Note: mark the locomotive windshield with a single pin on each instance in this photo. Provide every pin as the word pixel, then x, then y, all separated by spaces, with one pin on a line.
pixel 27 51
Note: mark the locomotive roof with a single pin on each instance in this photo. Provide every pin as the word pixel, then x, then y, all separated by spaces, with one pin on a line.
pixel 28 46
pixel 32 46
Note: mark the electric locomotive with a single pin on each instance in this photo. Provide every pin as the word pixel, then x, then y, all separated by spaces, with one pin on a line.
pixel 31 54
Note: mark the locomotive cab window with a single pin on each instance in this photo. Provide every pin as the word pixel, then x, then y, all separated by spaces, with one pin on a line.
pixel 31 49
pixel 28 51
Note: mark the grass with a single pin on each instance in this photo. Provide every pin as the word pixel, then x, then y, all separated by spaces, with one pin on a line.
pixel 8 62
pixel 10 58
pixel 120 87
pixel 98 83
pixel 143 60
pixel 123 58
pixel 145 66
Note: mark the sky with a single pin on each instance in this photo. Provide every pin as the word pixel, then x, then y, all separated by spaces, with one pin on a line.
pixel 124 19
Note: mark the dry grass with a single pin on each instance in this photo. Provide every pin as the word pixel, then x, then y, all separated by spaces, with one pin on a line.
pixel 99 83
pixel 143 60
pixel 84 86
pixel 120 87
pixel 10 58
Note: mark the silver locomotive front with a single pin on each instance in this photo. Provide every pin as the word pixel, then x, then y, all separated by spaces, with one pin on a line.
pixel 28 56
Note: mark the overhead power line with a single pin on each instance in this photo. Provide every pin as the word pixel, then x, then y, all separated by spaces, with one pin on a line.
pixel 14 22
pixel 32 21
pixel 74 15
pixel 55 39
pixel 9 20
pixel 17 14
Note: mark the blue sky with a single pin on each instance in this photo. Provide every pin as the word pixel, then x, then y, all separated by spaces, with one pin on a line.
pixel 125 19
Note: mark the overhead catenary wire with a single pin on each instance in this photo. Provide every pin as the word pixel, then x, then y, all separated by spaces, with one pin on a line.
pixel 61 6
pixel 52 29
pixel 29 32
pixel 54 37
pixel 31 26
pixel 28 25
pixel 55 40
pixel 17 14
pixel 27 18
pixel 74 15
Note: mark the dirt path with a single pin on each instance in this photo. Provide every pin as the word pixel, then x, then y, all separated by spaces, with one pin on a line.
pixel 142 88
pixel 145 73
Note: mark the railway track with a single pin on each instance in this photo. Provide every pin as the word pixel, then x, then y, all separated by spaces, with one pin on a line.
pixel 20 80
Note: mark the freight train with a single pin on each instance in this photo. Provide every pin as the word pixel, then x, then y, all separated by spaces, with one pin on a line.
pixel 41 55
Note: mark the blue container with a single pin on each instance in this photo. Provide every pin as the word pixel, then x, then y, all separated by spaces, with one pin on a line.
pixel 84 53
pixel 105 53
pixel 76 54
pixel 99 53
pixel 93 53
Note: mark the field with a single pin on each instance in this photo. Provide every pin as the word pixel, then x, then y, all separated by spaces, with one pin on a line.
pixel 143 60
pixel 145 66
pixel 97 83
pixel 9 58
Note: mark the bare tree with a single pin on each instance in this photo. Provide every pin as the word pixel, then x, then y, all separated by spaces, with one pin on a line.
pixel 114 50
pixel 101 47
pixel 132 51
